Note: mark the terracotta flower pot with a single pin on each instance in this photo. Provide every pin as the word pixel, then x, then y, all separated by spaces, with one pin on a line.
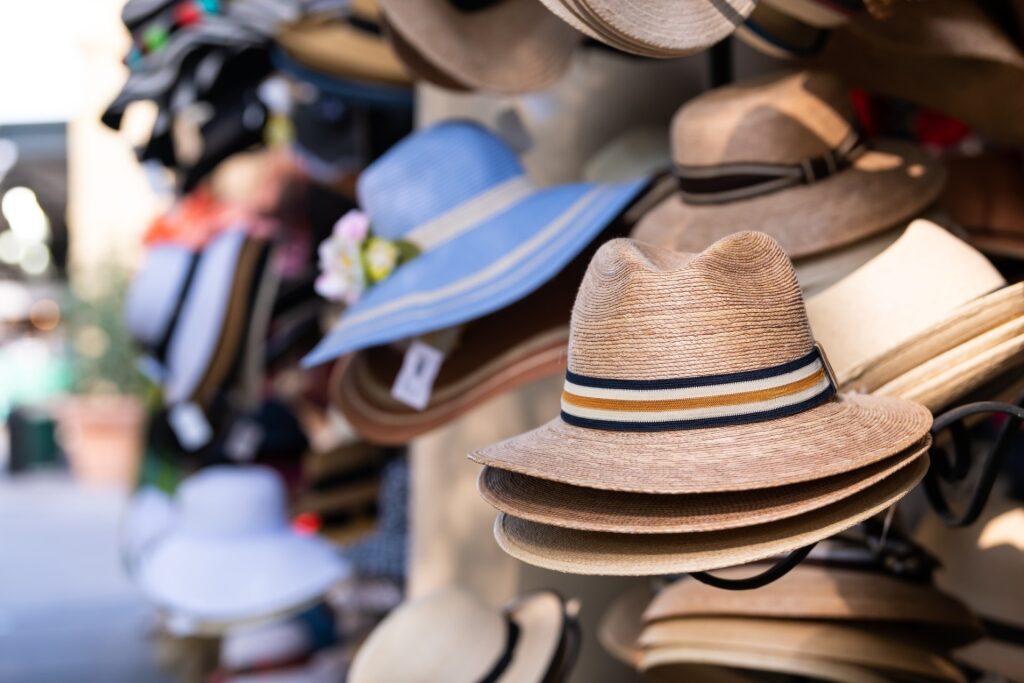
pixel 102 438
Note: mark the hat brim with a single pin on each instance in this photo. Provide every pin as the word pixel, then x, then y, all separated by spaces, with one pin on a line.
pixel 892 182
pixel 680 662
pixel 575 507
pixel 613 554
pixel 983 315
pixel 874 649
pixel 220 581
pixel 155 291
pixel 622 624
pixel 541 620
pixel 512 47
pixel 338 49
pixel 502 260
pixel 844 434
pixel 956 373
pixel 830 594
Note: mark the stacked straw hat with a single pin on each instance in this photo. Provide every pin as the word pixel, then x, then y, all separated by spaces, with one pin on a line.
pixel 783 153
pixel 659 28
pixel 929 319
pixel 948 55
pixel 453 636
pixel 700 425
pixel 486 290
pixel 983 565
pixel 505 46
pixel 230 557
pixel 823 622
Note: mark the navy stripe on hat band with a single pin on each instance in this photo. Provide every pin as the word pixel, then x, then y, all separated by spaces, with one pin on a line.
pixel 689 382
pixel 731 420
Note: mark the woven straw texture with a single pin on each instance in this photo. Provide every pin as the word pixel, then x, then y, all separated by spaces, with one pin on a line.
pixel 512 46
pixel 576 507
pixel 597 553
pixel 676 663
pixel 649 313
pixel 815 592
pixel 876 650
pixel 781 120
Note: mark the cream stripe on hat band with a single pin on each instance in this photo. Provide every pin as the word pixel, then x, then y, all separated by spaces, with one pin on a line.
pixel 695 402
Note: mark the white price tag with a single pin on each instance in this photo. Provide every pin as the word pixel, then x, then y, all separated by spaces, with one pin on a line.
pixel 243 441
pixel 415 381
pixel 190 426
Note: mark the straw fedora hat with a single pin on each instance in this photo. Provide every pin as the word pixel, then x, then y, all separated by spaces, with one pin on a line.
pixel 653 29
pixel 947 55
pixel 352 46
pixel 848 596
pixel 622 623
pixel 231 556
pixel 507 46
pixel 486 236
pixel 453 636
pixel 879 651
pixel 782 152
pixel 680 662
pixel 779 34
pixel 736 317
pixel 982 564
pixel 900 312
pixel 983 197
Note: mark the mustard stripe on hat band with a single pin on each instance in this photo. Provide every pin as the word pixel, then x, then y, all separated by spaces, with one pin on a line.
pixel 732 182
pixel 687 403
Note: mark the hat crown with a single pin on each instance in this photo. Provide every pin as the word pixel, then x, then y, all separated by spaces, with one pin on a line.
pixel 775 120
pixel 647 313
pixel 226 502
pixel 430 173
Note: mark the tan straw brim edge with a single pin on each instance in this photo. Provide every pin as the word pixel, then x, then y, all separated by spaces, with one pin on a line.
pixel 575 507
pixel 672 27
pixel 828 594
pixel 965 323
pixel 621 625
pixel 891 183
pixel 877 649
pixel 608 554
pixel 371 411
pixel 841 435
pixel 994 656
pixel 670 664
pixel 512 47
pixel 541 620
pixel 941 382
pixel 337 49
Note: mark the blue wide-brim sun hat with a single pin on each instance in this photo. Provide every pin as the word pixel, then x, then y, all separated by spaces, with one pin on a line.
pixel 488 237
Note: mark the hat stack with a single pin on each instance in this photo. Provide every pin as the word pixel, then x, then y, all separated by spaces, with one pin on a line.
pixel 503 46
pixel 487 266
pixel 700 425
pixel 824 622
pixel 656 28
pixel 453 636
pixel 783 153
pixel 983 565
pixel 902 325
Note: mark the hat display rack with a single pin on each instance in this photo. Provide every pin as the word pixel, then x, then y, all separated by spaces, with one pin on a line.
pixel 781 349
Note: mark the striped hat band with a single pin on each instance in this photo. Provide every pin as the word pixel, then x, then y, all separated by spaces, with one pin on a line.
pixel 696 402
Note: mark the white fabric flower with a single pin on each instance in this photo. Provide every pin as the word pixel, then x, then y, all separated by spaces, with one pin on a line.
pixel 342 276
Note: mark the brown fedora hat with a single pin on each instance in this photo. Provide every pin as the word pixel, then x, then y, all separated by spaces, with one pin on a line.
pixel 453 636
pixel 348 47
pixel 983 196
pixel 650 328
pixel 900 313
pixel 519 344
pixel 887 652
pixel 589 509
pixel 782 153
pixel 948 55
pixel 507 46
pixel 619 554
pixel 830 594
pixel 654 28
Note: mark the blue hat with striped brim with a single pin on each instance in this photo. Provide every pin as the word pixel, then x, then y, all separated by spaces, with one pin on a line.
pixel 483 234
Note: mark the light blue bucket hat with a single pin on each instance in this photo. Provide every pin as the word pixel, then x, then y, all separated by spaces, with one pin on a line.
pixel 485 235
